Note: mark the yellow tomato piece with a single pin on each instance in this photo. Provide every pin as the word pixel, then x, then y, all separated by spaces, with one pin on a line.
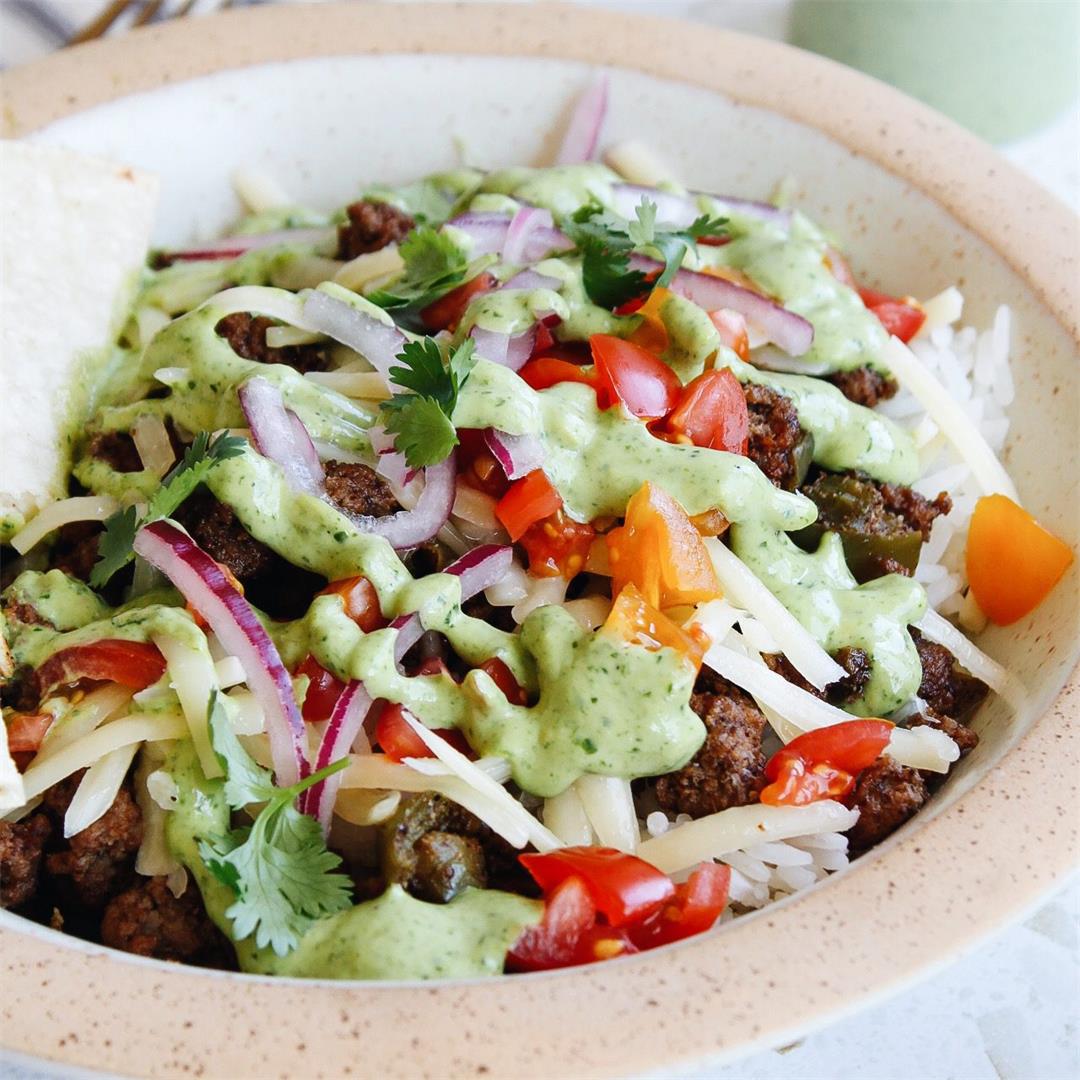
pixel 651 335
pixel 638 623
pixel 1012 561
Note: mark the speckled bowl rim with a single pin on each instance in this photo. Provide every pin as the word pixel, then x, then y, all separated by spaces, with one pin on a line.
pixel 781 972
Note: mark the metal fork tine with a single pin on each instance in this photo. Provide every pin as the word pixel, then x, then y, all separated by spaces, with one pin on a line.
pixel 98 26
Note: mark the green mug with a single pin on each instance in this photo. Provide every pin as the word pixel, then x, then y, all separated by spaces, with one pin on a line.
pixel 1002 68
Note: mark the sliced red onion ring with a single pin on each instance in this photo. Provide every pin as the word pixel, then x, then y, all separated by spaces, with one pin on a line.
pixel 489 233
pixel 517 454
pixel 378 342
pixel 280 435
pixel 203 583
pixel 532 279
pixel 382 442
pixel 341 730
pixel 583 132
pixel 395 468
pixel 478 569
pixel 682 210
pixel 229 247
pixel 511 352
pixel 791 332
pixel 407 528
pixel 523 224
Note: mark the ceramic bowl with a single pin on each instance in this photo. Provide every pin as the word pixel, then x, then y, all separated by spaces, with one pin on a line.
pixel 327 98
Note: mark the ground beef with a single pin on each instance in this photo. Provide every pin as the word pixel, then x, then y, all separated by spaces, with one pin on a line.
pixel 856 662
pixel 945 687
pixel 18 611
pixel 917 511
pixel 885 795
pixel 371 226
pixel 246 335
pixel 117 449
pixel 21 847
pixel 99 861
pixel 864 386
pixel 727 770
pixel 775 435
pixel 76 548
pixel 359 490
pixel 149 921
pixel 21 691
pixel 960 733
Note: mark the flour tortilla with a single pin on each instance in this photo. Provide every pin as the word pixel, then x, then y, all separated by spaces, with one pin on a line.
pixel 73 230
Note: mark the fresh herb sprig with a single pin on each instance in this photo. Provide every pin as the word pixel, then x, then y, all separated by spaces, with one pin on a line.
pixel 421 419
pixel 606 242
pixel 114 545
pixel 434 265
pixel 279 867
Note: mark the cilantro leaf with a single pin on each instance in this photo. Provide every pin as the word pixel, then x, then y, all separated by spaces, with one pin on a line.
pixel 114 545
pixel 434 265
pixel 279 867
pixel 421 419
pixel 606 241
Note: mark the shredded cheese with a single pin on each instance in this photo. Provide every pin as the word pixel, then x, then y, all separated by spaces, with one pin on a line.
pixel 80 508
pixel 97 789
pixel 565 816
pixel 609 806
pixel 193 676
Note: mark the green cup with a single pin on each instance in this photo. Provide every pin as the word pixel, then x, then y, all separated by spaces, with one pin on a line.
pixel 1002 68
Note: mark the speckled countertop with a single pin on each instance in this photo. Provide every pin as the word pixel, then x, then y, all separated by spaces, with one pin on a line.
pixel 1008 1010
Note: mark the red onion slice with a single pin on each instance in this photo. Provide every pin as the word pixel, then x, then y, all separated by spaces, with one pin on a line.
pixel 407 528
pixel 784 328
pixel 583 132
pixel 280 435
pixel 517 454
pixel 203 583
pixel 683 210
pixel 378 342
pixel 523 224
pixel 478 569
pixel 486 230
pixel 229 247
pixel 511 352
pixel 341 730
pixel 532 279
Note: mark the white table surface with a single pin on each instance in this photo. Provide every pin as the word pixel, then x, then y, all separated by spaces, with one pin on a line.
pixel 1010 1010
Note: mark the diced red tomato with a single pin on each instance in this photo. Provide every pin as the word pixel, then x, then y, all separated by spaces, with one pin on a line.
pixel 899 318
pixel 624 888
pixel 543 341
pixel 732 329
pixel 135 664
pixel 628 373
pixel 712 412
pixel 398 741
pixel 323 690
pixel 569 914
pixel 558 545
pixel 547 371
pixel 446 312
pixel 26 730
pixel 660 552
pixel 822 764
pixel 527 501
pixel 361 602
pixel 697 904
pixel 504 679
pixel 634 621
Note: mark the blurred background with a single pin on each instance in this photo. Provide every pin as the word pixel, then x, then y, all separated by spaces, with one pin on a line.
pixel 1010 71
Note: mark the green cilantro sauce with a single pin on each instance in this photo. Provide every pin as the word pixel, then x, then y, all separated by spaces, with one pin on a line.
pixel 392 937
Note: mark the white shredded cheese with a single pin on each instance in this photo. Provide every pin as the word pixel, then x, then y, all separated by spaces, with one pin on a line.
pixel 609 805
pixel 152 441
pixel 81 719
pixel 258 191
pixel 743 587
pixel 193 676
pixel 366 385
pixel 97 789
pixel 637 163
pixel 565 816
pixel 941 310
pixel 79 508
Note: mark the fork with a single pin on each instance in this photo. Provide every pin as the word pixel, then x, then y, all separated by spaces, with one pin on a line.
pixel 145 11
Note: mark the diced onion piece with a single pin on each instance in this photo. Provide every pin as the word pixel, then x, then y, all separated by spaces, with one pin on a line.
pixel 565 816
pixel 590 611
pixel 370 266
pixel 951 419
pixel 477 508
pixel 193 676
pixel 152 441
pixel 941 310
pixel 800 711
pixel 12 791
pixel 82 718
pixel 97 789
pixel 542 592
pixel 583 132
pixel 744 588
pixel 281 337
pixel 609 806
pixel 85 751
pixel 542 839
pixel 516 454
pixel 366 385
pixel 245 712
pixel 638 163
pixel 80 508
pixel 229 672
pixel 258 191
pixel 938 629
pixel 741 827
